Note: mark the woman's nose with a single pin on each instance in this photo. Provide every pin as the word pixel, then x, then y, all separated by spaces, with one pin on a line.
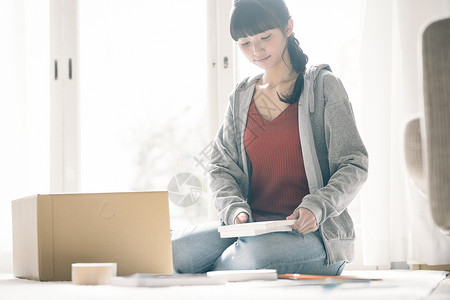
pixel 257 48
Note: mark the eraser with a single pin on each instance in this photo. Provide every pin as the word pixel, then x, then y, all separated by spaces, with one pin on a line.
pixel 93 273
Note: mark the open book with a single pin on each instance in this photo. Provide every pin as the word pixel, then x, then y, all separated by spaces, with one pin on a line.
pixel 255 228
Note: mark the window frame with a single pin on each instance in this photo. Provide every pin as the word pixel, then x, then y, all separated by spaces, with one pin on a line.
pixel 64 97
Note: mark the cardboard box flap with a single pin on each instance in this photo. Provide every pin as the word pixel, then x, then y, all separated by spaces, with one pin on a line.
pixel 25 238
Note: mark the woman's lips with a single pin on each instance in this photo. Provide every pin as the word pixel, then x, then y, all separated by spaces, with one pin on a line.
pixel 262 59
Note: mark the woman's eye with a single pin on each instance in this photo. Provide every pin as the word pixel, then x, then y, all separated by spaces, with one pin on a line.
pixel 266 37
pixel 245 44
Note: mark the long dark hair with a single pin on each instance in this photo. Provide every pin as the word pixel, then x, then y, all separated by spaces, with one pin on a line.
pixel 252 17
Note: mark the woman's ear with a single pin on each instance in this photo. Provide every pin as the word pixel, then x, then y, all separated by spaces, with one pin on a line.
pixel 289 27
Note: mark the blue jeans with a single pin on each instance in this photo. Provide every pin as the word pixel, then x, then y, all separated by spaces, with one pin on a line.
pixel 199 249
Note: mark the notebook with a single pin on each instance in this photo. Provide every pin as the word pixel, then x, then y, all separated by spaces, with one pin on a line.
pixel 255 228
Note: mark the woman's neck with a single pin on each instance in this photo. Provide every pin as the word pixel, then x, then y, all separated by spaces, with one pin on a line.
pixel 279 74
pixel 273 78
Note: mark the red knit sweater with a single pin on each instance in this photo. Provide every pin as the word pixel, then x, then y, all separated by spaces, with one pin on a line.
pixel 278 179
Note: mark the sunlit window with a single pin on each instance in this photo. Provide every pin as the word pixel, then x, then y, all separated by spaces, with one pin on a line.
pixel 143 95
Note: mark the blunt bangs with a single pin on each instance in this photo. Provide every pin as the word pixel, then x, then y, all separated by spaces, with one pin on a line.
pixel 250 18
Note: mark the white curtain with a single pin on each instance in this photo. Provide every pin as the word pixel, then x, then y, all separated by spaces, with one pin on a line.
pixel 396 220
pixel 24 109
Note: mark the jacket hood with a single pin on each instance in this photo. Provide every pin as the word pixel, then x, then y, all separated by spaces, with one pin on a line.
pixel 307 95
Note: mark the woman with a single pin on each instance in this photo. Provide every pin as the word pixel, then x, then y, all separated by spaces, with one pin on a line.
pixel 288 148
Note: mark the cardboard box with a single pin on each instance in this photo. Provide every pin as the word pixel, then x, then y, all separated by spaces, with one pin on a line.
pixel 50 232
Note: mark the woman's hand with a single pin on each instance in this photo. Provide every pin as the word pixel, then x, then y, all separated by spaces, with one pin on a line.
pixel 306 221
pixel 241 218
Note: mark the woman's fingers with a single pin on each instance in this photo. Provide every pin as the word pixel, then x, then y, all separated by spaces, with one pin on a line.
pixel 241 218
pixel 305 230
pixel 306 221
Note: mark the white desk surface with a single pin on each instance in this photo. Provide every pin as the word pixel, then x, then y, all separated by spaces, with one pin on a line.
pixel 396 284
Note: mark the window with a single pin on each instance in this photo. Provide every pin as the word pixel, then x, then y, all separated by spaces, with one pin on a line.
pixel 142 95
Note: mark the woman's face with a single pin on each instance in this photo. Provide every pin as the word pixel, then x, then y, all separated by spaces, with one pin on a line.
pixel 265 49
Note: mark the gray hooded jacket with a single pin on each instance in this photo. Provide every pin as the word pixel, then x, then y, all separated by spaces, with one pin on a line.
pixel 336 161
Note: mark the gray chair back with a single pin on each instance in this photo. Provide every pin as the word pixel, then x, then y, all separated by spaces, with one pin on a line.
pixel 436 80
